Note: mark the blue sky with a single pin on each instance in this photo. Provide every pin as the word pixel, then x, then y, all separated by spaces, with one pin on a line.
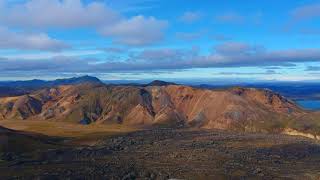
pixel 160 39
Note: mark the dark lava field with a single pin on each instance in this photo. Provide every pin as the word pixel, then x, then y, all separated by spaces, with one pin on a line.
pixel 168 154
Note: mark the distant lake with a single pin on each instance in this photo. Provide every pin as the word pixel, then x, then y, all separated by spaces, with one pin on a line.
pixel 309 104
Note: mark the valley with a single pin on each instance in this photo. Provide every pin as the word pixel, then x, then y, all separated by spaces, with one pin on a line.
pixel 159 90
pixel 156 131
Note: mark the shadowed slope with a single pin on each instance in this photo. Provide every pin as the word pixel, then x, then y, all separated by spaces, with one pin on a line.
pixel 13 142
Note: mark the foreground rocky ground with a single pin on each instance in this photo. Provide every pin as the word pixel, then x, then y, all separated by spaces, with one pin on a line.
pixel 170 153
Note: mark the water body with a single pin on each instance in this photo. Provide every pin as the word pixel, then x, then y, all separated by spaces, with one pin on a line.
pixel 310 104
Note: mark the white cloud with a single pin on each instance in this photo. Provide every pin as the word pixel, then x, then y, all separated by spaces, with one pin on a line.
pixel 138 30
pixel 57 13
pixel 29 41
pixel 46 14
pixel 50 55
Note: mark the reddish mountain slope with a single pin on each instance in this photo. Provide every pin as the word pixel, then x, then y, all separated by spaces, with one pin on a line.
pixel 166 105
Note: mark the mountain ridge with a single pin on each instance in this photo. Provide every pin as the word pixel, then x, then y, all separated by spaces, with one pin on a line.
pixel 16 88
pixel 162 104
pixel 37 83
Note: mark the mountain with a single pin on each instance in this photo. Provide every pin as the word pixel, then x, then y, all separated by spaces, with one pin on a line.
pixel 75 80
pixel 17 88
pixel 34 84
pixel 292 90
pixel 12 91
pixel 159 83
pixel 162 104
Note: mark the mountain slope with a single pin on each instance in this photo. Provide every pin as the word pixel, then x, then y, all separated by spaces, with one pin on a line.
pixel 159 83
pixel 14 142
pixel 11 91
pixel 240 109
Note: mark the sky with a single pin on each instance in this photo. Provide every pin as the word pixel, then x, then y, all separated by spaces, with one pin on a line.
pixel 233 40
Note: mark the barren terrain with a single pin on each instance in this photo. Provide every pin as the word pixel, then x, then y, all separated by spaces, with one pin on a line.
pixel 161 130
pixel 163 154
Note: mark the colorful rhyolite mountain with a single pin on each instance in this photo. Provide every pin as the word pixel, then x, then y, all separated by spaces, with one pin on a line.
pixel 162 104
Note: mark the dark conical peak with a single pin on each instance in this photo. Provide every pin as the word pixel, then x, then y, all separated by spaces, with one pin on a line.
pixel 160 83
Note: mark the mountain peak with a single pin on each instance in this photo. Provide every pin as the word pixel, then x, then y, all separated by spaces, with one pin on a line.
pixel 77 80
pixel 160 83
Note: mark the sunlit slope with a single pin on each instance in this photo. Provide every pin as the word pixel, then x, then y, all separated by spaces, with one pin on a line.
pixel 240 109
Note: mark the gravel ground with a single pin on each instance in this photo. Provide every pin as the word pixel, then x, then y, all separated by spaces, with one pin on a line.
pixel 172 154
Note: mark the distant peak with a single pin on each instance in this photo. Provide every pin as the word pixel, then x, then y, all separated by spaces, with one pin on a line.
pixel 160 83
pixel 77 80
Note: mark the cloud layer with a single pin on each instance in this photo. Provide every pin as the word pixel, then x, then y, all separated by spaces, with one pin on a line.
pixel 71 14
pixel 102 38
pixel 232 54
pixel 56 13
pixel 29 41
pixel 138 30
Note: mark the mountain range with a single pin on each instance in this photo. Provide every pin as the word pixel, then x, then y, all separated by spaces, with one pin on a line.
pixel 86 100
pixel 11 88
pixel 292 90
